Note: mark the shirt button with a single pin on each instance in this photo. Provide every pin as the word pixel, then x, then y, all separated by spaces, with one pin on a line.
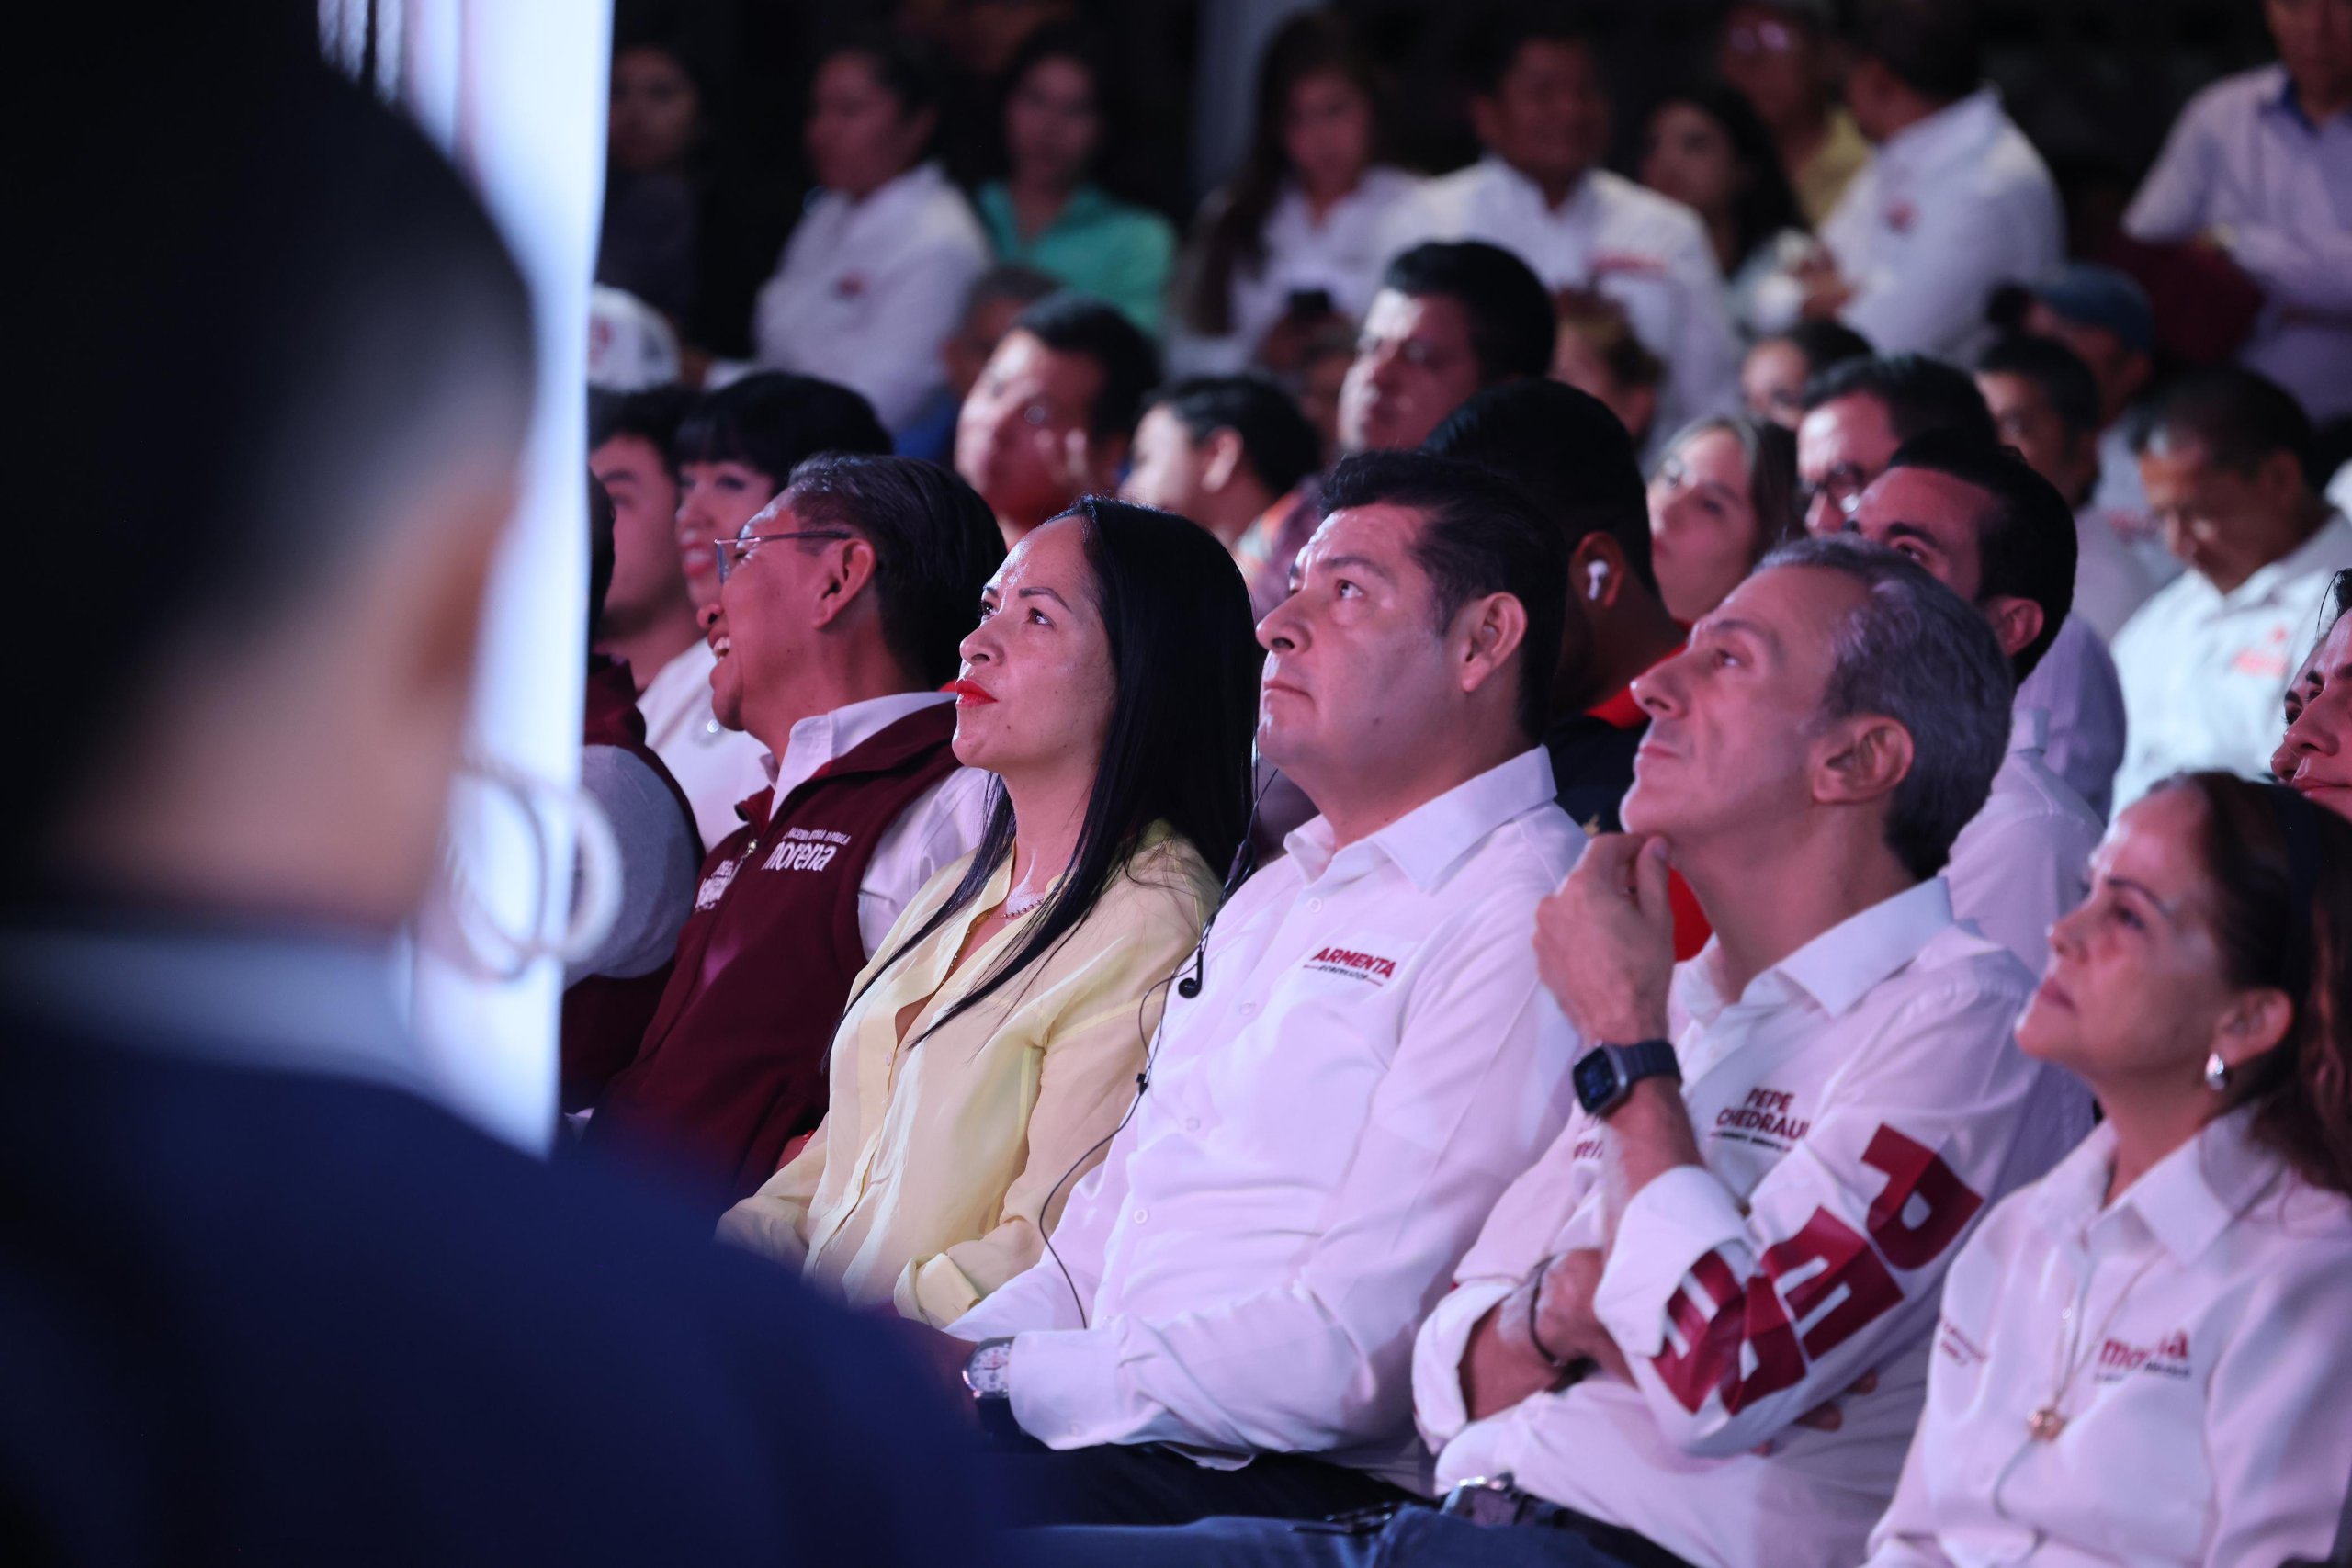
pixel 1142 1214
pixel 1247 1008
pixel 1314 905
pixel 1191 1123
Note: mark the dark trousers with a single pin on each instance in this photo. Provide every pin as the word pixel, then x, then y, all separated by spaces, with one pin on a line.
pixel 1151 1485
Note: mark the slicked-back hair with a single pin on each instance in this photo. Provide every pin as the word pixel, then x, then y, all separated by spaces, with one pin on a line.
pixel 1512 329
pixel 306 319
pixel 1277 441
pixel 1916 652
pixel 1071 322
pixel 2238 416
pixel 2057 371
pixel 1568 452
pixel 935 545
pixel 1480 534
pixel 1919 394
pixel 2026 545
pixel 773 422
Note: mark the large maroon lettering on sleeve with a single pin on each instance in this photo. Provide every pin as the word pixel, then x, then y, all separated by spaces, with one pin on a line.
pixel 1825 1264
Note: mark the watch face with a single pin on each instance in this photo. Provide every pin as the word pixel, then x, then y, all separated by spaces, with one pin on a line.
pixel 1596 1079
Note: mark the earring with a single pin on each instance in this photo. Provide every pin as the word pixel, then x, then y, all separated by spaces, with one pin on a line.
pixel 2217 1073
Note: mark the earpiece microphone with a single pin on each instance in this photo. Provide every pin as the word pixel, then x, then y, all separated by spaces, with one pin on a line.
pixel 1596 574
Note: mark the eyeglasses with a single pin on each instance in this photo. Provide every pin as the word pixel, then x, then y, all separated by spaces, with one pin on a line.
pixel 1843 485
pixel 732 553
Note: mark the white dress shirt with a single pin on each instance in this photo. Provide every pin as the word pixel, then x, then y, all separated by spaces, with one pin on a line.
pixel 1370 1060
pixel 1648 253
pixel 2081 697
pixel 717 767
pixel 2205 672
pixel 942 826
pixel 1343 255
pixel 2245 164
pixel 867 291
pixel 1947 211
pixel 2025 859
pixel 1855 1105
pixel 2203 1314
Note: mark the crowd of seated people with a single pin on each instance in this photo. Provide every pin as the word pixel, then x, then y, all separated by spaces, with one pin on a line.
pixel 1710 924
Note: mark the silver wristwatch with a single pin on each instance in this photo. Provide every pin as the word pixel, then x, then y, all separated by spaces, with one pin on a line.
pixel 988 1371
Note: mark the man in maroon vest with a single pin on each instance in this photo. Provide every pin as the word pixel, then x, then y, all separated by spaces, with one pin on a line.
pixel 838 619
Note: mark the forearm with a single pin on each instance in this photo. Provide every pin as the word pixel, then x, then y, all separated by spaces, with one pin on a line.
pixel 1654 1134
pixel 1501 1366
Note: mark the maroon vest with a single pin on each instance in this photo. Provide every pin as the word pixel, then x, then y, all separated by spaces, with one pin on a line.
pixel 605 1018
pixel 734 1065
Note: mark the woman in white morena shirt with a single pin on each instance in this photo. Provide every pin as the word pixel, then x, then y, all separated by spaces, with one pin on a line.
pixel 2143 1358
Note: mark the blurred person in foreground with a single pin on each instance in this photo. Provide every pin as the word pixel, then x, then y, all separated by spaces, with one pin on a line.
pixel 2226 457
pixel 1856 415
pixel 2141 1358
pixel 2315 756
pixel 267 1299
pixel 1051 417
pixel 2258 166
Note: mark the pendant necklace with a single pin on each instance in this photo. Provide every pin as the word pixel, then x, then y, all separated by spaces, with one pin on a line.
pixel 2044 1425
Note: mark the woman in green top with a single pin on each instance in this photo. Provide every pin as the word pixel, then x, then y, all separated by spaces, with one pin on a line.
pixel 1047 213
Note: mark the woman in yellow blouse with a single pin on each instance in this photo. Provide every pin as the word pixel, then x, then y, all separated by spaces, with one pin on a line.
pixel 991 1049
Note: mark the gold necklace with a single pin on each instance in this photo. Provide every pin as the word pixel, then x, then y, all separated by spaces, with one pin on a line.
pixel 2044 1425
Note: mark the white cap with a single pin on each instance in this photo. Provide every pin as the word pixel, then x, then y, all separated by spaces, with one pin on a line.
pixel 630 346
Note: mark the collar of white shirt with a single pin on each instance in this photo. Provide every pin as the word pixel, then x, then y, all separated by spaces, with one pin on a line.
pixel 1957 130
pixel 909 190
pixel 1520 191
pixel 2185 1200
pixel 831 736
pixel 1428 841
pixel 1837 968
pixel 2029 730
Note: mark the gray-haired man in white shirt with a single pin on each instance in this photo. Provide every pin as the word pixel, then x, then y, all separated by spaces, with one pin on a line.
pixel 1357 1064
pixel 1779 1143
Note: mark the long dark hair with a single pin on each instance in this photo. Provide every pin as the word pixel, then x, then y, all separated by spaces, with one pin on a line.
pixel 1184 663
pixel 2281 869
pixel 1766 202
pixel 1313 43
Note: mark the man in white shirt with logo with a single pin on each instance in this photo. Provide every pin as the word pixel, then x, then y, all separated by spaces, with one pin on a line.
pixel 1360 1061
pixel 1954 202
pixel 1989 528
pixel 1542 113
pixel 1632 1365
pixel 2225 456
